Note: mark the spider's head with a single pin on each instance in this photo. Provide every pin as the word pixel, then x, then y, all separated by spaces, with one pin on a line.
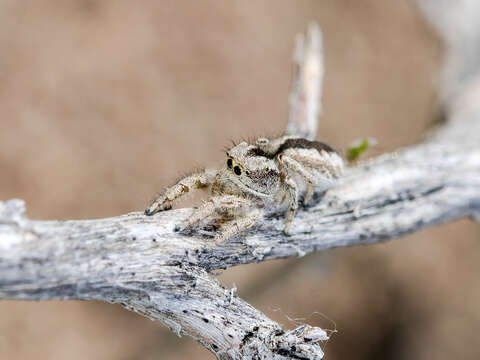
pixel 252 169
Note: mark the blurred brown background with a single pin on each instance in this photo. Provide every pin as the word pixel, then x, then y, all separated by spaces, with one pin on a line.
pixel 102 103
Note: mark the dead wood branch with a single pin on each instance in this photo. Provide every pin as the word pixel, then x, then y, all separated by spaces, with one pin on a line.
pixel 141 263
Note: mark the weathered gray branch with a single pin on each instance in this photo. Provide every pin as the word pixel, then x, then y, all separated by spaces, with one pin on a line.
pixel 306 94
pixel 141 263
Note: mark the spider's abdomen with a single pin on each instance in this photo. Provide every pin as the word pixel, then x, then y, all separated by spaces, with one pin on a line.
pixel 310 159
pixel 299 143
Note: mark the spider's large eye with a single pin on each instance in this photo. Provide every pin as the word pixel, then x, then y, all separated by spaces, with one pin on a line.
pixel 229 163
pixel 237 170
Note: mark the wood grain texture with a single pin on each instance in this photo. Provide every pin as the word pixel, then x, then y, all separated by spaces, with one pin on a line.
pixel 142 264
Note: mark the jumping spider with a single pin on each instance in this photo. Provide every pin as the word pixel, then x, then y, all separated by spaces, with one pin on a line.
pixel 256 180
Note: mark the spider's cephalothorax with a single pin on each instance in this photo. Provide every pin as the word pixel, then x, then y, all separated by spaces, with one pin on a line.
pixel 256 179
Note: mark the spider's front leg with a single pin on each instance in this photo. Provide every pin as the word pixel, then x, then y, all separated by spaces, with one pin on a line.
pixel 195 181
pixel 222 205
pixel 238 225
pixel 229 205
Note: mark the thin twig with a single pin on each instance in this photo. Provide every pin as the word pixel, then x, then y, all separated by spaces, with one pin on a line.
pixel 306 93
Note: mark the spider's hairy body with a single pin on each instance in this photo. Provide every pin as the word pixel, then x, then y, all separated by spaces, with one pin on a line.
pixel 257 179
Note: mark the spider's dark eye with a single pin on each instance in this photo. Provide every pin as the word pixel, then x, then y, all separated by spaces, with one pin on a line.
pixel 229 163
pixel 237 170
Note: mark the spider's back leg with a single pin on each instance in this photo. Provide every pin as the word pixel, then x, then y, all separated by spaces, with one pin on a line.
pixel 318 169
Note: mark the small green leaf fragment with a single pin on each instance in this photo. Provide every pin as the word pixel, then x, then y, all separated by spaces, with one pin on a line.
pixel 358 148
